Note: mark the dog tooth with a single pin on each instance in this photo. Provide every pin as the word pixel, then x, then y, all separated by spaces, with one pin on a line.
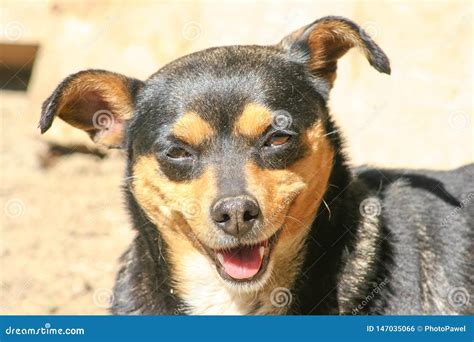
pixel 220 257
pixel 262 251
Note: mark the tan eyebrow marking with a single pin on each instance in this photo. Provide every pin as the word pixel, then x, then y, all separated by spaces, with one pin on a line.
pixel 192 129
pixel 253 121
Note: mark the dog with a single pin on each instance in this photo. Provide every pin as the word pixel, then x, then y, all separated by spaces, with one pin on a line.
pixel 242 197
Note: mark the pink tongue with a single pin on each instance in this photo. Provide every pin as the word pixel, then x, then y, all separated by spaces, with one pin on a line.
pixel 243 262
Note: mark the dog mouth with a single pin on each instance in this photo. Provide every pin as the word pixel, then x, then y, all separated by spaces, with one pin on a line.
pixel 244 263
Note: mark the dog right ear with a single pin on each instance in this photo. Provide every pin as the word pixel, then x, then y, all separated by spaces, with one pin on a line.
pixel 320 44
pixel 98 102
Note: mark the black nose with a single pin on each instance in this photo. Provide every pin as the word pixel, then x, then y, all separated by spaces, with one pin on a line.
pixel 236 215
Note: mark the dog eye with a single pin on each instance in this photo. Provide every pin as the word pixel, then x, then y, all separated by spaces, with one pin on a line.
pixel 178 153
pixel 278 139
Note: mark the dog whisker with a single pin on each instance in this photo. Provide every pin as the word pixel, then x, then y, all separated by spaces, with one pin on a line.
pixel 327 207
pixel 330 133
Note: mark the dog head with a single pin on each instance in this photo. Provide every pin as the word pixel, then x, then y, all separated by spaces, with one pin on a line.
pixel 228 149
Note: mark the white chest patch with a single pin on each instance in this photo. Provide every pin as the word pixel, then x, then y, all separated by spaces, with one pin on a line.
pixel 206 293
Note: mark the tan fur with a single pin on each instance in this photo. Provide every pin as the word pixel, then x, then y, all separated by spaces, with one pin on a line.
pixel 192 129
pixel 77 108
pixel 328 41
pixel 253 121
pixel 179 209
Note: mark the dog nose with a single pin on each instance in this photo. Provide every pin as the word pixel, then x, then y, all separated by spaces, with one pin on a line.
pixel 236 215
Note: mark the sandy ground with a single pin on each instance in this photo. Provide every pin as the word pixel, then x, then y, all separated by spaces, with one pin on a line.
pixel 63 229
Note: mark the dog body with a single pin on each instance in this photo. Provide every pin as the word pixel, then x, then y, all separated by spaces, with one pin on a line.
pixel 242 198
pixel 408 255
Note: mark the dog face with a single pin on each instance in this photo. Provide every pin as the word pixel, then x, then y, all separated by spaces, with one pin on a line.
pixel 228 153
pixel 228 149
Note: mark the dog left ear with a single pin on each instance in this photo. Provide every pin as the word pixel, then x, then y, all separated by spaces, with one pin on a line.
pixel 324 41
pixel 97 101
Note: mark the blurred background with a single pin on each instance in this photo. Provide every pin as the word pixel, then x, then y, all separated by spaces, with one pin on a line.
pixel 63 223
